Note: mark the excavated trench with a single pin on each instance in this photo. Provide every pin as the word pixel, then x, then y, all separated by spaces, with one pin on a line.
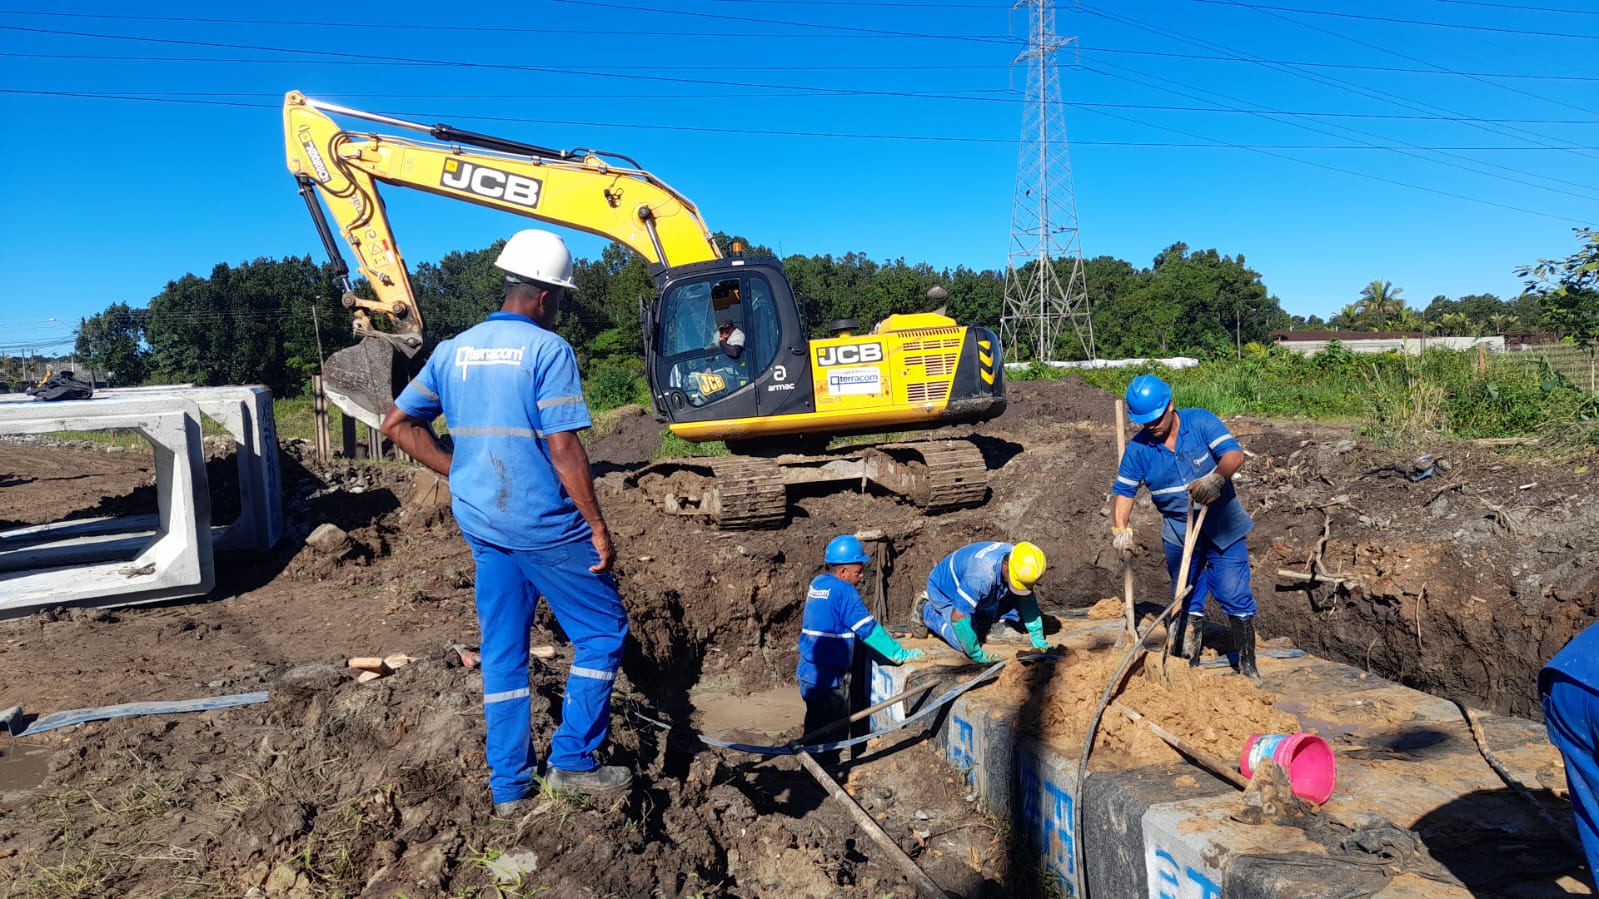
pixel 1460 583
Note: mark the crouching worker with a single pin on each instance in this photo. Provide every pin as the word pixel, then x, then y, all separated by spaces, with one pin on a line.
pixel 834 617
pixel 978 591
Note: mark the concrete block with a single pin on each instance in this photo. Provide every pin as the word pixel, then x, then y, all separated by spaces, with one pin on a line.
pixel 176 561
pixel 1167 831
pixel 246 414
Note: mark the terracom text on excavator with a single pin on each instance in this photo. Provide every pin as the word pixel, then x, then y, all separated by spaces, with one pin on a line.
pixel 775 404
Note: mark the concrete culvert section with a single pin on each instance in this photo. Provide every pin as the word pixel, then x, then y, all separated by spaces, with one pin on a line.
pixel 1404 592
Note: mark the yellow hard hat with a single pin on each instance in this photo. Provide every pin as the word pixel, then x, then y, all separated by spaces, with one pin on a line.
pixel 1025 567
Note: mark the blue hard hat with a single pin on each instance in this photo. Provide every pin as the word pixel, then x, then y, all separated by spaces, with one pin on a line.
pixel 1147 399
pixel 846 549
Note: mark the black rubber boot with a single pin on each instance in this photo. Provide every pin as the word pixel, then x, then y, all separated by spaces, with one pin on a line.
pixel 1194 643
pixel 1179 630
pixel 1244 641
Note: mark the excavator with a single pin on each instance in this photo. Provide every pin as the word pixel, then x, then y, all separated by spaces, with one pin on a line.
pixel 776 401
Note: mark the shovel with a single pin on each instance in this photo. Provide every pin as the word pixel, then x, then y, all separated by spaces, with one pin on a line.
pixel 1190 537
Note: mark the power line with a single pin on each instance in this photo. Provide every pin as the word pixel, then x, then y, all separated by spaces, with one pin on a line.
pixel 1429 24
pixel 1334 65
pixel 1406 149
pixel 142 94
pixel 1383 49
pixel 503 29
pixel 1202 144
pixel 763 21
pixel 1333 82
pixel 101 57
pixel 1517 7
pixel 819 91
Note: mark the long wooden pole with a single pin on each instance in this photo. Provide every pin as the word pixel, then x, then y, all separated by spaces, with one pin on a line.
pixel 1209 762
pixel 1127 563
pixel 872 710
pixel 870 827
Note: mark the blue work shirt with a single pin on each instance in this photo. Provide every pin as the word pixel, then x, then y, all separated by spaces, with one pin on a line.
pixel 1578 661
pixel 502 386
pixel 972 578
pixel 1201 442
pixel 834 618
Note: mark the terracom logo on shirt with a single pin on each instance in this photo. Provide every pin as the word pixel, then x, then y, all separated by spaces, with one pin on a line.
pixel 468 356
pixel 491 183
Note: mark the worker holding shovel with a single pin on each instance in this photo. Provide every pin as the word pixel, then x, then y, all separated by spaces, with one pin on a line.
pixel 1187 456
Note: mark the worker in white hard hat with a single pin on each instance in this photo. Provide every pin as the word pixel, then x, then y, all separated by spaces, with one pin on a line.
pixel 524 498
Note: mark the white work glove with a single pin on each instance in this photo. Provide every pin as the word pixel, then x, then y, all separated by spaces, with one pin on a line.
pixel 1122 540
pixel 1207 489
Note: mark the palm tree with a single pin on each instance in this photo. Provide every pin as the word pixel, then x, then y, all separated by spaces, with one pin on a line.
pixel 1347 319
pixel 1380 302
pixel 1406 319
pixel 1501 322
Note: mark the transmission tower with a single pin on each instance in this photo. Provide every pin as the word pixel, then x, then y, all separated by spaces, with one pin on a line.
pixel 1039 303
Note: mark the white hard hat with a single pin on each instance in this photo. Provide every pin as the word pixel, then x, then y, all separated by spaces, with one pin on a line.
pixel 539 256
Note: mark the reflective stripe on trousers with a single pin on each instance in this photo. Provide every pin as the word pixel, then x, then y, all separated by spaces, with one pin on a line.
pixel 590 611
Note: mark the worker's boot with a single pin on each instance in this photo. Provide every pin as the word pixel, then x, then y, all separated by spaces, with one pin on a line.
pixel 601 780
pixel 1189 640
pixel 1244 641
pixel 1179 634
pixel 918 623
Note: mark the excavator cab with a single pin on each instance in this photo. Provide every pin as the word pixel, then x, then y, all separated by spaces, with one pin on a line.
pixel 692 378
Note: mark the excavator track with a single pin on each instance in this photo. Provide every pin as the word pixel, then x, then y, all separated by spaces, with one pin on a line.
pixel 749 494
pixel 937 475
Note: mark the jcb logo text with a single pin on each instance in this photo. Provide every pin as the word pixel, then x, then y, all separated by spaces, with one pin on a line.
pixel 491 183
pixel 849 354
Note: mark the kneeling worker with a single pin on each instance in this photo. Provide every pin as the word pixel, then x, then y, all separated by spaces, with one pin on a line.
pixel 977 586
pixel 834 617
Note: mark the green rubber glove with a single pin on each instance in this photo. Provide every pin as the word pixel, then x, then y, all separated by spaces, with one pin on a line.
pixel 968 637
pixel 889 648
pixel 1028 607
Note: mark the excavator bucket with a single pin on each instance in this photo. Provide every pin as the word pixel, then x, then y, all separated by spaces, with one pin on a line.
pixel 364 379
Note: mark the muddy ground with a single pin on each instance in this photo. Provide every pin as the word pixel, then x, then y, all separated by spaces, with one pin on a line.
pixel 1457 575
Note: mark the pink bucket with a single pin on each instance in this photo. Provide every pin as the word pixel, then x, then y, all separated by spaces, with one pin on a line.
pixel 1305 758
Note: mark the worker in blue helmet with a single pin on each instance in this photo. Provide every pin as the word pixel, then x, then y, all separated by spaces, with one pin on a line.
pixel 834 619
pixel 1187 457
pixel 1569 687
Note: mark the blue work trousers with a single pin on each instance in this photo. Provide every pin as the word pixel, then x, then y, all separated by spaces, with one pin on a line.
pixel 938 612
pixel 1571 715
pixel 589 609
pixel 1222 573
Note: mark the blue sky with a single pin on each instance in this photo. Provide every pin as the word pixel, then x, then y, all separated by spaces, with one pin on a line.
pixel 1435 144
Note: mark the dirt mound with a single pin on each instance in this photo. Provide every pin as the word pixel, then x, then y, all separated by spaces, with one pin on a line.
pixel 625 436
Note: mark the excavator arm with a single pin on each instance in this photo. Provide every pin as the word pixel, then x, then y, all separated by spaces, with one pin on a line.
pixel 341 170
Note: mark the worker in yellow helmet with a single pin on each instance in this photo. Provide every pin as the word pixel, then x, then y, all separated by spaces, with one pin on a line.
pixel 977 593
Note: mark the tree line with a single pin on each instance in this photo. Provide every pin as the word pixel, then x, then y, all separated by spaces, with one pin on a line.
pixel 272 321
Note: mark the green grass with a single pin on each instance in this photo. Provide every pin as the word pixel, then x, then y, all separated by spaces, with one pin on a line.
pixel 675 447
pixel 1387 396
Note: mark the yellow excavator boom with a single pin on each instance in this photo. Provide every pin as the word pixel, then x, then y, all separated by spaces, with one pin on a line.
pixel 582 190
